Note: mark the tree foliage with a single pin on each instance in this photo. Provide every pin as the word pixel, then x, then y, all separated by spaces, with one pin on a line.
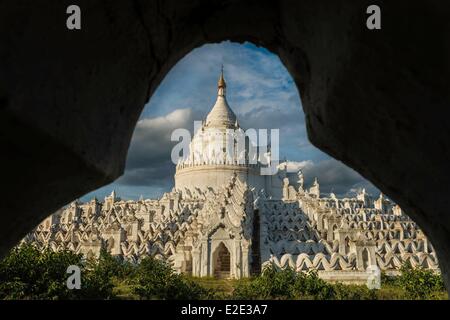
pixel 29 273
pixel 420 283
pixel 289 284
pixel 155 279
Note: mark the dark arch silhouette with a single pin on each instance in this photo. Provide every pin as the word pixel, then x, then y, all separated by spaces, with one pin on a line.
pixel 376 100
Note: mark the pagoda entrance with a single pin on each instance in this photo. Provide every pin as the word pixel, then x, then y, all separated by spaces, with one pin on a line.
pixel 222 262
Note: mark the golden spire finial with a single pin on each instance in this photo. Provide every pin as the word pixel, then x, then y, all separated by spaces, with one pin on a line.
pixel 221 83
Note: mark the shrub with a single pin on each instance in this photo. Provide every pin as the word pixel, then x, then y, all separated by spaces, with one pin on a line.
pixel 353 292
pixel 309 285
pixel 284 284
pixel 27 273
pixel 388 280
pixel 419 283
pixel 289 284
pixel 99 274
pixel 155 279
pixel 271 284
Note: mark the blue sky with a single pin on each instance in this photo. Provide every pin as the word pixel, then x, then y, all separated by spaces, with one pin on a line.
pixel 261 93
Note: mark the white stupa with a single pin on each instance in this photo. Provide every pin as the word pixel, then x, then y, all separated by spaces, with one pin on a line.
pixel 219 150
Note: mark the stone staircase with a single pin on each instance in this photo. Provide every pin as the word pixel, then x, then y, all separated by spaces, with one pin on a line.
pixel 223 268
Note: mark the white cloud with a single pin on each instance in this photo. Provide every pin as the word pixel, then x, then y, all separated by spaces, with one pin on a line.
pixel 175 119
pixel 294 166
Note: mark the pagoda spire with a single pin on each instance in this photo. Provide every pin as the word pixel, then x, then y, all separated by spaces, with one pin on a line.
pixel 221 84
pixel 221 115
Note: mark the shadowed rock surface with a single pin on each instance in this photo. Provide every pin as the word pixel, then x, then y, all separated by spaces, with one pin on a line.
pixel 376 100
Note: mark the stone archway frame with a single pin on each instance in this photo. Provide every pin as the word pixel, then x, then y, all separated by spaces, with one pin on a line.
pixel 69 101
pixel 230 241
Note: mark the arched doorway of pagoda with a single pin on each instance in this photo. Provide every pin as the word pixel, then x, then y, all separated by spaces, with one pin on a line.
pixel 222 262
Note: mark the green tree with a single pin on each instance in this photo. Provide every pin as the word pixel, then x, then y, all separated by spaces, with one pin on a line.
pixel 420 283
pixel 155 279
pixel 99 275
pixel 28 273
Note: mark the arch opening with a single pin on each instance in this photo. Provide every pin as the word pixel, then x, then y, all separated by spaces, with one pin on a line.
pixel 366 259
pixel 222 262
pixel 250 104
